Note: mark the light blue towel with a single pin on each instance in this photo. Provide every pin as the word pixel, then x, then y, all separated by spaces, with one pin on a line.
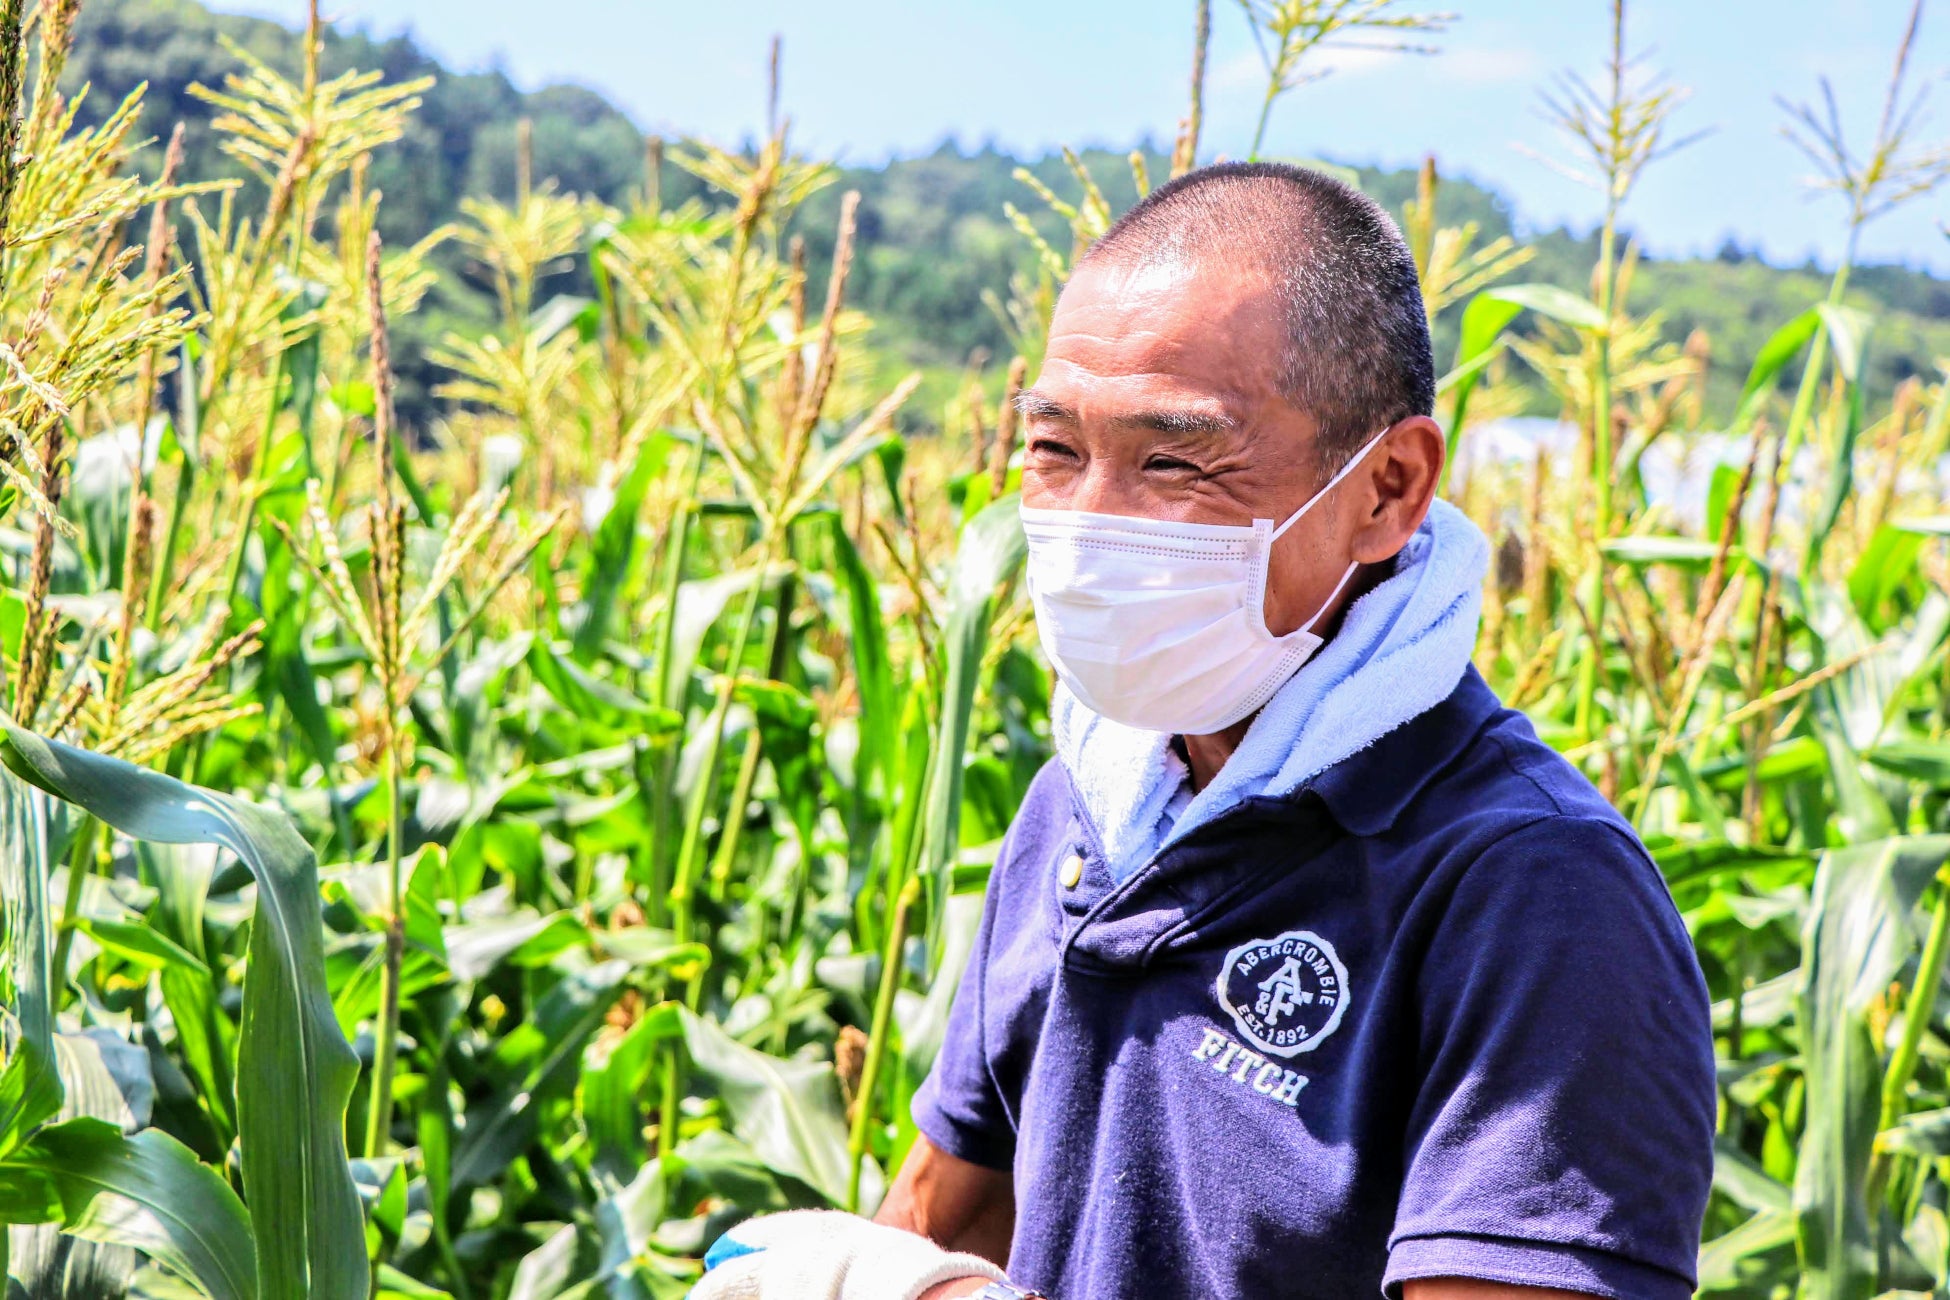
pixel 1399 652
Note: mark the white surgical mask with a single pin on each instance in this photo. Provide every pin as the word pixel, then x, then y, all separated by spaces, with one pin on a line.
pixel 1162 625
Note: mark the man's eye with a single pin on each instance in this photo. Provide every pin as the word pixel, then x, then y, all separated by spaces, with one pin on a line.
pixel 1170 465
pixel 1050 447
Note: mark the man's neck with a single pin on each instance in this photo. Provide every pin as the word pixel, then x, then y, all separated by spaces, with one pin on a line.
pixel 1205 755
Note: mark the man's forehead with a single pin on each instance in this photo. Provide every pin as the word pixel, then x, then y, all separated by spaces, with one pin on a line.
pixel 1206 326
pixel 1143 287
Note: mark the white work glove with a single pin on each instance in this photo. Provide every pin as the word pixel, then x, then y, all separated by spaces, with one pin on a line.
pixel 828 1255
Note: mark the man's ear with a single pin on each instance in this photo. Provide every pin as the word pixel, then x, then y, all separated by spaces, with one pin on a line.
pixel 1404 473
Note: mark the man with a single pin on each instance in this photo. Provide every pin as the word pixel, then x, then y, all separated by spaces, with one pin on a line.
pixel 1306 969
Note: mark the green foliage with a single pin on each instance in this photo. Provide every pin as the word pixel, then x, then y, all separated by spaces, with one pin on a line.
pixel 146 1192
pixel 294 1070
pixel 591 796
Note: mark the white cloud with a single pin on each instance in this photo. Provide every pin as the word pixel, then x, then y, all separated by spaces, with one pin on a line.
pixel 1461 65
pixel 1240 72
pixel 1485 66
pixel 1358 61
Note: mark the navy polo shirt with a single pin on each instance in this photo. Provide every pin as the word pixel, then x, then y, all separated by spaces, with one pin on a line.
pixel 1432 1015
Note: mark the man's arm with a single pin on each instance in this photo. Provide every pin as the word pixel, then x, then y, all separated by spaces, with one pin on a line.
pixel 962 1206
pixel 955 1204
pixel 1462 1288
pixel 1563 1132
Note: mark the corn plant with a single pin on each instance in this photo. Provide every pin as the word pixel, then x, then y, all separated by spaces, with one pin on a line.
pixel 488 859
pixel 1286 32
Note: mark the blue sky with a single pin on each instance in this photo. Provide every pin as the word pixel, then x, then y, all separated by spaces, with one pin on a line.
pixel 867 78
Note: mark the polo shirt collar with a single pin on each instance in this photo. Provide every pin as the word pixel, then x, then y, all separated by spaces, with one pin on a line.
pixel 1366 791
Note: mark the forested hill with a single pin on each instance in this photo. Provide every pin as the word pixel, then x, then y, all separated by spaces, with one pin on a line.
pixel 462 141
pixel 934 236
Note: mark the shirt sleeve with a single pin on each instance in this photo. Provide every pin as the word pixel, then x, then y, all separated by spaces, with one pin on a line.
pixel 959 1106
pixel 1562 1133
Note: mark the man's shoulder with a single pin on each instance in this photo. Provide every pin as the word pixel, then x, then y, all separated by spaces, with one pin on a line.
pixel 1513 748
pixel 1533 822
pixel 1506 780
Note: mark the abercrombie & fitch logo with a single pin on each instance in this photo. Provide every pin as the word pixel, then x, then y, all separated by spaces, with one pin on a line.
pixel 1243 1065
pixel 1285 994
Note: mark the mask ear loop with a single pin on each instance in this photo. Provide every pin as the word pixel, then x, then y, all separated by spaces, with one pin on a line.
pixel 1332 596
pixel 1311 501
pixel 1332 483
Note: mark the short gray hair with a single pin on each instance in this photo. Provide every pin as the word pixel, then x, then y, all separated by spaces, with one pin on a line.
pixel 1358 357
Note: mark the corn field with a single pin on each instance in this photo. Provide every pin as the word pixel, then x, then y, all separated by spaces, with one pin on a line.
pixel 490 860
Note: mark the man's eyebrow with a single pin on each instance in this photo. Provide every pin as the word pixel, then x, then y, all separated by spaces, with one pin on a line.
pixel 1033 405
pixel 1180 420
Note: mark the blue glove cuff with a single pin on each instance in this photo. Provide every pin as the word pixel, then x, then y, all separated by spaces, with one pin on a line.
pixel 725 1249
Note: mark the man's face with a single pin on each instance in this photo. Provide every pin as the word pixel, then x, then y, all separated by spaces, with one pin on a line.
pixel 1160 397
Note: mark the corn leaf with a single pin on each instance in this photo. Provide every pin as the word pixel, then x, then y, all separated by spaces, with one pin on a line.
pixel 1549 300
pixel 294 1068
pixel 1848 332
pixel 182 875
pixel 1925 1133
pixel 1885 565
pixel 1927 761
pixel 592 699
pixel 1740 1178
pixel 1781 348
pixel 548 1270
pixel 535 1061
pixel 871 667
pixel 1931 526
pixel 788 1112
pixel 1483 322
pixel 1851 335
pixel 138 944
pixel 148 1193
pixel 1649 548
pixel 30 1086
pixel 612 549
pixel 1692 859
pixel 924 1021
pixel 615 1078
pixel 624 1222
pixel 1750 1255
pixel 1855 942
pixel 991 549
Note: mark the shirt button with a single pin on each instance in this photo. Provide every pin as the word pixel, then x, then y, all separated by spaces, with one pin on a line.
pixel 1071 872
